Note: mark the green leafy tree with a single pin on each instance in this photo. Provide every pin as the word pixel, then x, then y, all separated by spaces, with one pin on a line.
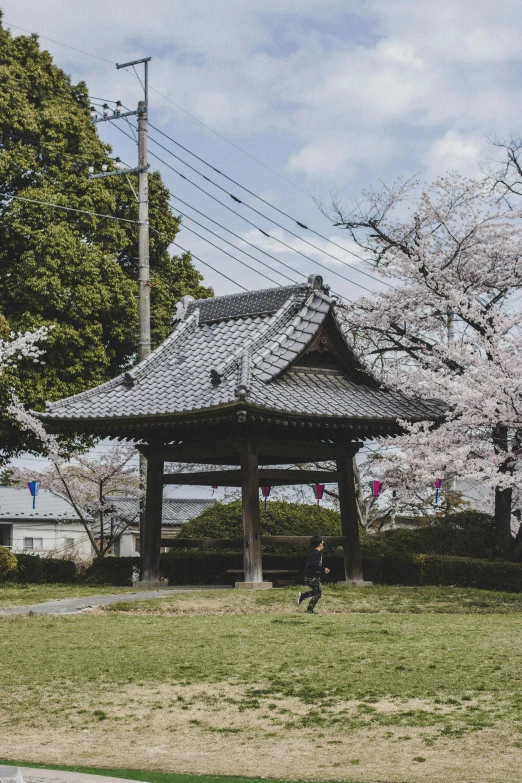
pixel 74 270
pixel 223 520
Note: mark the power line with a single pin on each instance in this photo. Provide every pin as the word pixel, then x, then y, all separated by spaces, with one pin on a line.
pixel 224 138
pixel 265 217
pixel 209 266
pixel 235 259
pixel 233 144
pixel 250 244
pixel 72 209
pixel 280 241
pixel 268 203
pixel 189 252
pixel 250 223
pixel 231 245
pixel 67 46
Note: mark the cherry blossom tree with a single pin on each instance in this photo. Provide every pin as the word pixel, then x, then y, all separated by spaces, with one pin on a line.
pixel 447 327
pixel 88 485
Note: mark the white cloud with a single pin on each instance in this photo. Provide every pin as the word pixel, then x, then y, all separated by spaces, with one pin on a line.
pixel 456 151
pixel 342 103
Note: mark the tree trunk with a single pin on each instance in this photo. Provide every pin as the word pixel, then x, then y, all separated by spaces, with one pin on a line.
pixel 503 497
pixel 349 518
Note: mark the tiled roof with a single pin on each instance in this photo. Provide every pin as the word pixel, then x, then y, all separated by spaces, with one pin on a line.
pixel 176 511
pixel 239 348
pixel 17 503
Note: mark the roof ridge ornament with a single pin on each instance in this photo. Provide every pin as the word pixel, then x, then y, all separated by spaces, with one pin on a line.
pixel 245 375
pixel 264 333
pixel 181 309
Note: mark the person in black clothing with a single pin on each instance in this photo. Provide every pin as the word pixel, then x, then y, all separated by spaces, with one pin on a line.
pixel 314 569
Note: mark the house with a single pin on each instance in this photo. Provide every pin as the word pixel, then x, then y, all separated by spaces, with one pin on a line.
pixel 52 528
pixel 176 511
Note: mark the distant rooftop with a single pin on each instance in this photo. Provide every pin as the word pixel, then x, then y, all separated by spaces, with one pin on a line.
pixel 175 512
pixel 17 503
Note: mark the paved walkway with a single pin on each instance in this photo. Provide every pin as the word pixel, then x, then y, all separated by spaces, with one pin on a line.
pixel 76 605
pixel 32 775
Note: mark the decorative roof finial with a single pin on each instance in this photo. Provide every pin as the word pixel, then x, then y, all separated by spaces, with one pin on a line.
pixel 316 282
pixel 181 308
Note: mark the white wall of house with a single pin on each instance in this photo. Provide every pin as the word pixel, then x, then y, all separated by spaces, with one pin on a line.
pixel 56 538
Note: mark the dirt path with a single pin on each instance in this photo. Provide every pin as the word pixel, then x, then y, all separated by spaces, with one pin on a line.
pixel 75 605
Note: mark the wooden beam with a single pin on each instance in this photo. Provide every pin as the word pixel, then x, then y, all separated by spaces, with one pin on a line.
pixel 151 534
pixel 267 477
pixel 270 452
pixel 349 517
pixel 252 557
pixel 203 543
pixel 231 543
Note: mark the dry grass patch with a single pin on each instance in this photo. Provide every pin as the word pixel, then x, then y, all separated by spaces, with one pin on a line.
pixel 217 730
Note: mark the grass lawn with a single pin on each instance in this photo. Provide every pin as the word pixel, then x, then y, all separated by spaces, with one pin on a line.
pixel 394 684
pixel 16 595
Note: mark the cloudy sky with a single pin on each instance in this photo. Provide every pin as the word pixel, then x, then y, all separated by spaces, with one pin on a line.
pixel 333 95
pixel 294 99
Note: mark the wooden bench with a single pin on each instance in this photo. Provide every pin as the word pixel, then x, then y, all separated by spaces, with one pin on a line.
pixel 291 573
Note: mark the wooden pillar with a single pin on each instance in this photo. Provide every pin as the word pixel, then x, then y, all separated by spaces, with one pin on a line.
pixel 349 519
pixel 151 533
pixel 252 556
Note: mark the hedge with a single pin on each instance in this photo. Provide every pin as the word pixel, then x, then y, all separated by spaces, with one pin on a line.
pixel 196 567
pixel 39 570
pixel 113 571
pixel 468 572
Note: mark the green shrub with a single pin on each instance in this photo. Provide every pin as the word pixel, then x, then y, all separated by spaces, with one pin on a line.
pixel 58 570
pixel 223 520
pixel 468 572
pixel 33 569
pixel 116 571
pixel 8 562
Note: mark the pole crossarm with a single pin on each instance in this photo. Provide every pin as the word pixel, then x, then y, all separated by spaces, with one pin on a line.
pixel 232 543
pixel 267 477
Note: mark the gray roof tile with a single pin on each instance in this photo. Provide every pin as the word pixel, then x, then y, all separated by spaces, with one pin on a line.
pixel 176 377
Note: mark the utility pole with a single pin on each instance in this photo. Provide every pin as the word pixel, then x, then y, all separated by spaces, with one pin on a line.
pixel 143 241
pixel 144 345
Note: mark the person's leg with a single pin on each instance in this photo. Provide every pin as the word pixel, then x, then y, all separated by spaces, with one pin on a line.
pixel 316 593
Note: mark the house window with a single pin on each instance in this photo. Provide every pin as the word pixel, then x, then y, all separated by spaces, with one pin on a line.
pixel 5 535
pixel 137 544
pixel 69 543
pixel 33 543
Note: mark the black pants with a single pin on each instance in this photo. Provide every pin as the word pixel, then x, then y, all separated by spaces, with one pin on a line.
pixel 315 593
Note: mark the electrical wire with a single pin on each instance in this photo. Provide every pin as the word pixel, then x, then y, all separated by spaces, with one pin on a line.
pixel 207 264
pixel 250 244
pixel 169 100
pixel 72 209
pixel 231 232
pixel 46 38
pixel 262 274
pixel 231 245
pixel 265 217
pixel 268 203
pixel 280 241
pixel 232 144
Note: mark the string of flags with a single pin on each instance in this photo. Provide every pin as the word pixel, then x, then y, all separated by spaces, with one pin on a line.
pixel 318 492
pixel 33 487
pixel 375 487
pixel 437 485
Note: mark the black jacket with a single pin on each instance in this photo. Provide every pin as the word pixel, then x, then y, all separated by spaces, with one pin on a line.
pixel 314 565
